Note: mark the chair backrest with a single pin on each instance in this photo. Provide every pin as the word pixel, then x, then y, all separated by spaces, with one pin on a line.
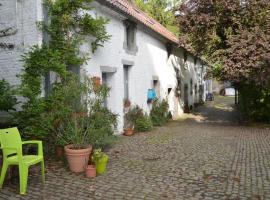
pixel 10 138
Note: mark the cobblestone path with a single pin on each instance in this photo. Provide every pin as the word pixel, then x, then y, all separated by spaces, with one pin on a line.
pixel 201 156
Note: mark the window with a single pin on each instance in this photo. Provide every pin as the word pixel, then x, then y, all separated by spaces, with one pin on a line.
pixel 191 87
pixel 130 37
pixel 156 87
pixel 126 82
pixel 185 56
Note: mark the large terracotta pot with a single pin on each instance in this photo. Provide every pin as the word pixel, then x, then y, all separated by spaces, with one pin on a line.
pixel 77 158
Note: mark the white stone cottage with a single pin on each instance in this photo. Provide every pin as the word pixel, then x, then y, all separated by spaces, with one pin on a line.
pixel 140 55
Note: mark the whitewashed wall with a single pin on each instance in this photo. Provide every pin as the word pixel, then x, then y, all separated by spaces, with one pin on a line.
pixel 21 18
pixel 150 60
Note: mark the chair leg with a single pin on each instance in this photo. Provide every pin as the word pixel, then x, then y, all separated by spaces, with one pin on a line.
pixel 43 172
pixel 3 173
pixel 23 178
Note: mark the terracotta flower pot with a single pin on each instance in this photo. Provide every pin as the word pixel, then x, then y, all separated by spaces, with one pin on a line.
pixel 128 132
pixel 77 158
pixel 96 82
pixel 90 171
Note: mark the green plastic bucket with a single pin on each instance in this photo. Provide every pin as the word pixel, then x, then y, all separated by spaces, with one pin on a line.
pixel 101 164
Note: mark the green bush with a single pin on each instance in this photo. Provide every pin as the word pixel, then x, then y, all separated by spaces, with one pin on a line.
pixel 137 119
pixel 52 118
pixel 143 124
pixel 7 94
pixel 131 115
pixel 102 123
pixel 254 102
pixel 159 112
pixel 99 121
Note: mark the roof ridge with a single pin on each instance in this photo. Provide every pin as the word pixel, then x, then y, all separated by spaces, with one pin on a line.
pixel 131 9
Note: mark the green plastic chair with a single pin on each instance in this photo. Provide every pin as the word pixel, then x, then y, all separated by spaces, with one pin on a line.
pixel 11 145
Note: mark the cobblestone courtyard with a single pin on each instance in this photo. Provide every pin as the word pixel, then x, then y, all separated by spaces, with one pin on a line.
pixel 202 156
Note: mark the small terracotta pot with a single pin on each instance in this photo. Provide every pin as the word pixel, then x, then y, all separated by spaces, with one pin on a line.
pixel 128 132
pixel 90 171
pixel 59 151
pixel 77 158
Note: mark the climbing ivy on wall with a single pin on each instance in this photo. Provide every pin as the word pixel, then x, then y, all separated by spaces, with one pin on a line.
pixel 69 25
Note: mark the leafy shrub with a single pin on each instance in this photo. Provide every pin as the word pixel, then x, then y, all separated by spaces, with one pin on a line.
pixel 137 119
pixel 99 122
pixel 159 113
pixel 73 112
pixel 254 103
pixel 143 124
pixel 102 123
pixel 7 94
pixel 131 115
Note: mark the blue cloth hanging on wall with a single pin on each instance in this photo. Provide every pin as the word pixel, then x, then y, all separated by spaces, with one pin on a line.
pixel 151 95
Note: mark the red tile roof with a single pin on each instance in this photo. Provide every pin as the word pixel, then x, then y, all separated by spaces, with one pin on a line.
pixel 130 9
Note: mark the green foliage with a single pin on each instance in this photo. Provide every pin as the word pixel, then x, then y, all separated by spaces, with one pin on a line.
pixel 76 132
pixel 143 124
pixel 159 112
pixel 131 115
pixel 7 96
pixel 72 113
pixel 254 102
pixel 235 36
pixel 158 9
pixel 99 156
pixel 68 27
pixel 136 119
pixel 102 124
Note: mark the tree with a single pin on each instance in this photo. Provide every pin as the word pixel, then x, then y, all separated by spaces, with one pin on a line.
pixel 160 11
pixel 234 36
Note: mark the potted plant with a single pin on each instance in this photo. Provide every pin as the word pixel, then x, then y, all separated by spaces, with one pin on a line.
pixel 127 103
pixel 77 137
pixel 133 113
pixel 96 82
pixel 129 121
pixel 100 159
